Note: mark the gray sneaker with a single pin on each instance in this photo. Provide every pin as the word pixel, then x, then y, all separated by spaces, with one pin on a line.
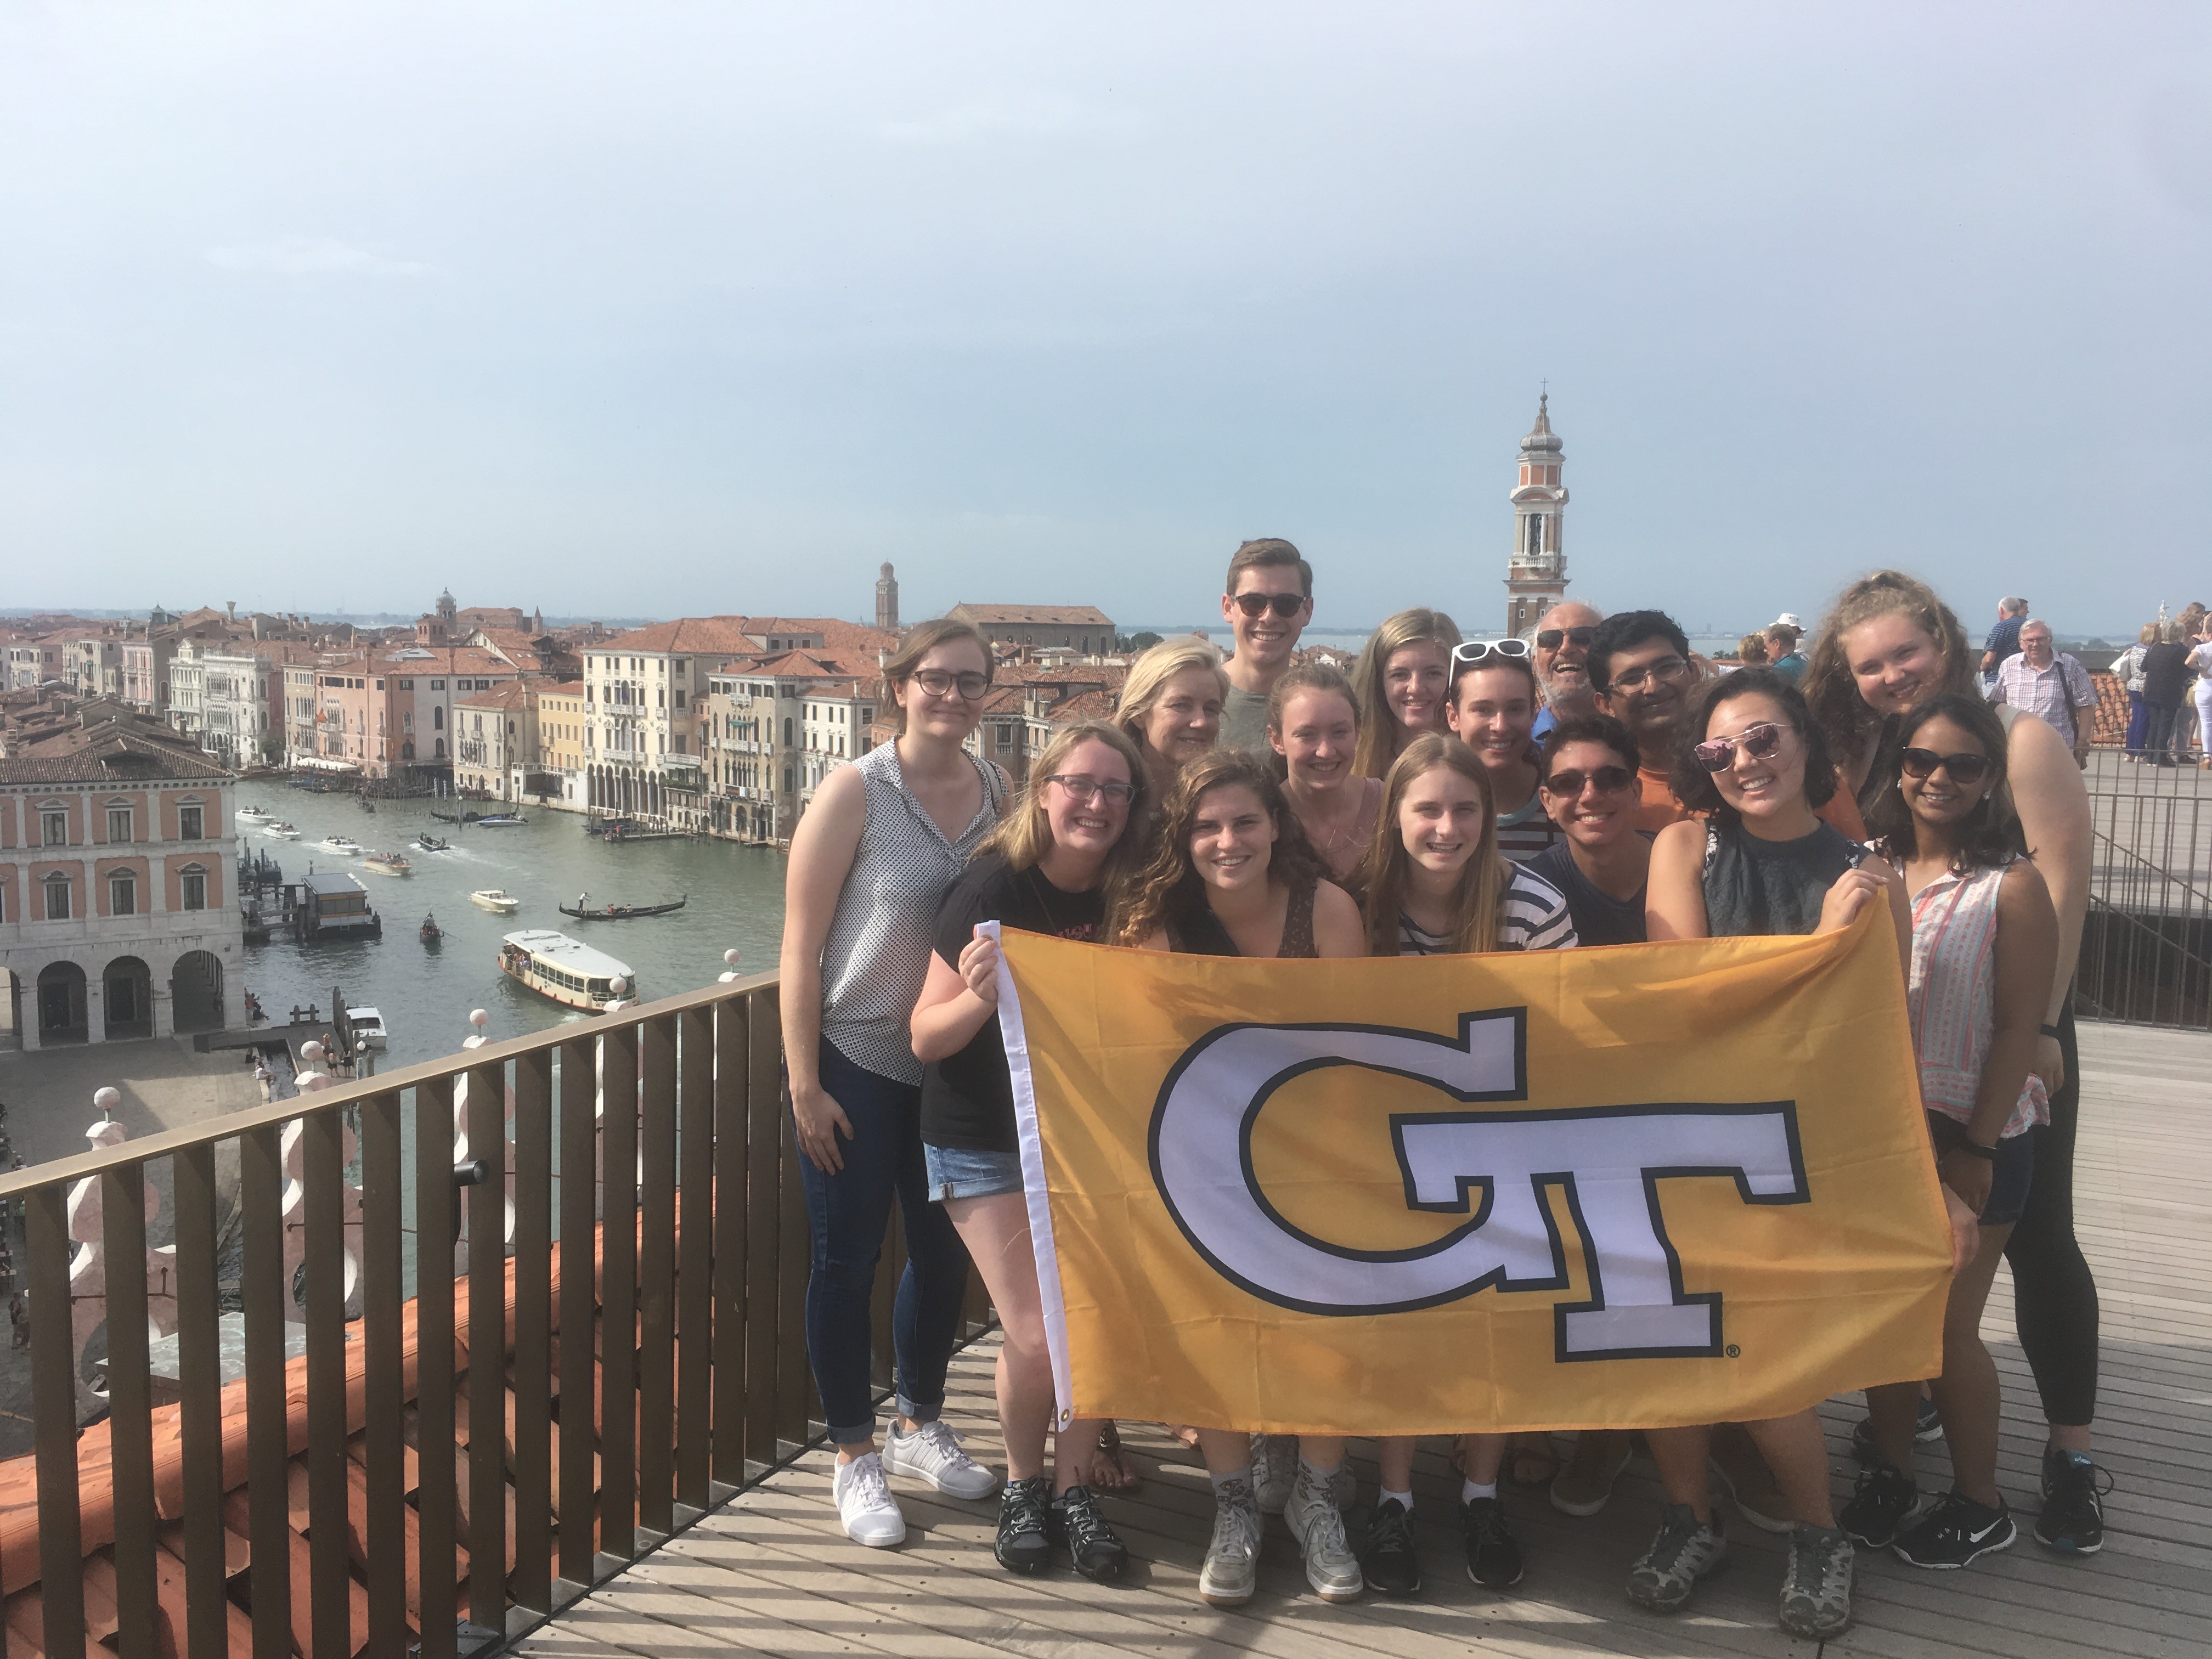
pixel 1816 1590
pixel 1318 1525
pixel 1233 1560
pixel 1274 1470
pixel 1686 1550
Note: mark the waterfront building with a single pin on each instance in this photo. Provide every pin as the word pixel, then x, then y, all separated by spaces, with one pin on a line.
pixel 774 725
pixel 1536 570
pixel 116 856
pixel 495 740
pixel 1081 628
pixel 558 779
pixel 146 657
pixel 388 714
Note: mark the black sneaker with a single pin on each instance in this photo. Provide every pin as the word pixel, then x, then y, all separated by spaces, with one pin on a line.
pixel 1955 1531
pixel 1024 1538
pixel 1880 1505
pixel 1387 1562
pixel 1493 1555
pixel 2073 1518
pixel 1076 1521
pixel 1927 1429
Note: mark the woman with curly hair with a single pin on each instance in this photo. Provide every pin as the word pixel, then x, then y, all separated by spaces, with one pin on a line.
pixel 1403 678
pixel 1231 875
pixel 1888 646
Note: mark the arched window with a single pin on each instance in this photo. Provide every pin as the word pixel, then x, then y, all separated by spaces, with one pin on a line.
pixel 438 720
pixel 440 755
pixel 57 898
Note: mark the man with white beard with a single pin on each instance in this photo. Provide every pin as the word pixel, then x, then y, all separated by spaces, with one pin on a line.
pixel 1563 637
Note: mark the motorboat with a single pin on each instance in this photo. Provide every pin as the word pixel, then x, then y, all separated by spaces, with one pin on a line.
pixel 251 815
pixel 281 831
pixel 584 912
pixel 345 845
pixel 388 863
pixel 367 1024
pixel 430 933
pixel 500 821
pixel 430 843
pixel 495 899
pixel 566 970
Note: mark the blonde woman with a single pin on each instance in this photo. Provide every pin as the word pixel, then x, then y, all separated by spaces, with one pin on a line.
pixel 1403 681
pixel 1171 707
pixel 1313 725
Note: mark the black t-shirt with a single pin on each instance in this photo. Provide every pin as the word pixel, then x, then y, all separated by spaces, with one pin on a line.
pixel 1600 918
pixel 967 1098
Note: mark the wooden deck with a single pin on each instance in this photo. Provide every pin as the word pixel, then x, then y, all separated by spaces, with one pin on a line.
pixel 770 1573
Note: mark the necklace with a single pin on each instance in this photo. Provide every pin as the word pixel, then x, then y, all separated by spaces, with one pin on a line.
pixel 1040 886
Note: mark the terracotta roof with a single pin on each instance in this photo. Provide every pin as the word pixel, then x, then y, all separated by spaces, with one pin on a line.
pixel 1083 706
pixel 104 742
pixel 1074 614
pixel 703 636
pixel 508 694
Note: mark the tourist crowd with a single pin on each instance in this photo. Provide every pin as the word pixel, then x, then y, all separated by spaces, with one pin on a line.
pixel 1596 784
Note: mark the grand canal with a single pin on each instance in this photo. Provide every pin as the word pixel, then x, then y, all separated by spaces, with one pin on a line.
pixel 734 901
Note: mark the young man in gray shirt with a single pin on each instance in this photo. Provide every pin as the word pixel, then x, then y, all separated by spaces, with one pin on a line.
pixel 1267 604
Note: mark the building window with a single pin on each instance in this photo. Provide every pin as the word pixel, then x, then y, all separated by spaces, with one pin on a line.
pixel 195 887
pixel 406 685
pixel 437 685
pixel 57 898
pixel 437 720
pixel 190 820
pixel 53 828
pixel 122 894
pixel 118 824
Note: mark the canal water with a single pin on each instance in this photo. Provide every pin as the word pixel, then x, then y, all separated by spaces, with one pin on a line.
pixel 734 901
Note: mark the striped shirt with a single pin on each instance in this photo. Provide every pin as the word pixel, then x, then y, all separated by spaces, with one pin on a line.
pixel 877 954
pixel 1953 996
pixel 1532 915
pixel 1525 831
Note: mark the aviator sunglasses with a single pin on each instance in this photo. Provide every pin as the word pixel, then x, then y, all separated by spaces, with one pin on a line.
pixel 1760 742
pixel 1965 770
pixel 1258 604
pixel 1551 639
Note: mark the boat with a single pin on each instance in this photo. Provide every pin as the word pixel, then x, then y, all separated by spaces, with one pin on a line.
pixel 469 817
pixel 430 933
pixel 367 1028
pixel 493 898
pixel 608 826
pixel 430 843
pixel 281 831
pixel 388 863
pixel 344 844
pixel 618 912
pixel 565 970
pixel 251 815
pixel 336 904
pixel 500 820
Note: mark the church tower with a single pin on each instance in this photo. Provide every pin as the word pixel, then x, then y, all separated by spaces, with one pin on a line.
pixel 1536 573
pixel 887 600
pixel 448 616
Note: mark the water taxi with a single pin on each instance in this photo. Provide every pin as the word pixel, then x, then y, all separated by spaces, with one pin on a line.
pixel 566 970
pixel 282 832
pixel 369 1032
pixel 500 820
pixel 388 863
pixel 343 844
pixel 496 899
pixel 251 815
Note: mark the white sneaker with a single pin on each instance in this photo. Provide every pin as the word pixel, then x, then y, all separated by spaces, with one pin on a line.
pixel 1232 1558
pixel 865 1503
pixel 1318 1525
pixel 1274 1470
pixel 933 1453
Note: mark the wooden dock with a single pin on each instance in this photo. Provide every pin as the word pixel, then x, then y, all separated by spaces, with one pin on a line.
pixel 771 1572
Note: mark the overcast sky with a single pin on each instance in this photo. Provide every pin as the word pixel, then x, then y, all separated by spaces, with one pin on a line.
pixel 654 309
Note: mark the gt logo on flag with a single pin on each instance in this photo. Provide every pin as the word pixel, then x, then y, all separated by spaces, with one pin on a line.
pixel 1608 1162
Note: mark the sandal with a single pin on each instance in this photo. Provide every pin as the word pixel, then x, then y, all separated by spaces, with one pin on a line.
pixel 1531 1459
pixel 1113 1472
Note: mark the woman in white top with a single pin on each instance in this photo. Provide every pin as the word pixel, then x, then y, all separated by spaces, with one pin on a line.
pixel 2200 659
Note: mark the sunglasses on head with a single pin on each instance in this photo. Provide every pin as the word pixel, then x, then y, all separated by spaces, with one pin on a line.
pixel 1551 639
pixel 1476 650
pixel 1760 742
pixel 1258 604
pixel 1608 781
pixel 1965 770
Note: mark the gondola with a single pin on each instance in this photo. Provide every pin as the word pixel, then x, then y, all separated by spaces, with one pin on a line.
pixel 431 931
pixel 447 818
pixel 621 912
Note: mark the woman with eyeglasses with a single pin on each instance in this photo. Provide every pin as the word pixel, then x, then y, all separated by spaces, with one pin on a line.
pixel 1231 875
pixel 1404 679
pixel 1887 645
pixel 1985 936
pixel 1314 728
pixel 871 861
pixel 1492 710
pixel 1436 885
pixel 1171 707
pixel 1048 868
pixel 1761 861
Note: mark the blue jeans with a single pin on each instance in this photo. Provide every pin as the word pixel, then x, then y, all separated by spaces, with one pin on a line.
pixel 846 1214
pixel 2138 719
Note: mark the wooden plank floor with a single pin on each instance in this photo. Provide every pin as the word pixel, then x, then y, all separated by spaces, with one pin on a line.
pixel 770 1573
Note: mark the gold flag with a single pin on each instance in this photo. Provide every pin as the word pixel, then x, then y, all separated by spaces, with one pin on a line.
pixel 1638 1186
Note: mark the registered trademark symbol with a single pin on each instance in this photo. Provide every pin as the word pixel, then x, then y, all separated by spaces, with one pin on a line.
pixel 1735 1353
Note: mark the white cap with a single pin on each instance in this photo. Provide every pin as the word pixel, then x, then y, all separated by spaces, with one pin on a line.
pixel 1788 619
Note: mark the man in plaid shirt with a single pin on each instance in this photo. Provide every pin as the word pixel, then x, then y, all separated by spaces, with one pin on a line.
pixel 2050 684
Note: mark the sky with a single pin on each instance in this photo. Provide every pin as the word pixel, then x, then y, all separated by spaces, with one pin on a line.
pixel 666 309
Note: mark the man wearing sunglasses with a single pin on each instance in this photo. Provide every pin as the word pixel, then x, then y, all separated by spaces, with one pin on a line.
pixel 1266 604
pixel 1563 639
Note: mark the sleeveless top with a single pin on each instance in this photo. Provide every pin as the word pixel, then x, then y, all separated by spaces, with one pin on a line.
pixel 1200 933
pixel 877 951
pixel 1884 771
pixel 1756 887
pixel 1953 996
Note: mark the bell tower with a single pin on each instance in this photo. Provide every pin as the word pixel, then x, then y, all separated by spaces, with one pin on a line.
pixel 1536 570
pixel 887 600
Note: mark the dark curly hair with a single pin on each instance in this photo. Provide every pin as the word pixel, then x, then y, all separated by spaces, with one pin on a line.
pixel 1694 786
pixel 1601 729
pixel 1986 841
pixel 1169 886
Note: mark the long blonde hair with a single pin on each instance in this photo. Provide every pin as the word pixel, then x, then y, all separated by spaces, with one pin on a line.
pixel 1150 674
pixel 1378 726
pixel 1384 874
pixel 1023 834
pixel 1830 689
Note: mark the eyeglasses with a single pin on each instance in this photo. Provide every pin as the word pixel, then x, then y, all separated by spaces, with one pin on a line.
pixel 1083 790
pixel 1476 650
pixel 1667 668
pixel 1609 780
pixel 937 682
pixel 1760 742
pixel 1258 604
pixel 1965 770
pixel 1551 639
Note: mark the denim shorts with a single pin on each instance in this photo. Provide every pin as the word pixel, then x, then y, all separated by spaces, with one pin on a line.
pixel 963 1172
pixel 2011 1172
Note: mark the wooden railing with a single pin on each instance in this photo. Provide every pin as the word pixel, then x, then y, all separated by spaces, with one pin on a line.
pixel 686 1243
